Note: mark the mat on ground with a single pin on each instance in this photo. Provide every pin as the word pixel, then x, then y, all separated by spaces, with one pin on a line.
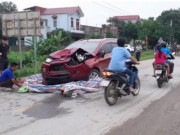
pixel 34 84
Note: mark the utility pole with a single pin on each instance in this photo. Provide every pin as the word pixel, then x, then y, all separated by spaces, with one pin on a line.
pixel 35 47
pixel 171 23
pixel 19 40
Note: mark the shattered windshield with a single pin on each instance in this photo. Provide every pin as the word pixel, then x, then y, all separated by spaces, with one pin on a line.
pixel 89 46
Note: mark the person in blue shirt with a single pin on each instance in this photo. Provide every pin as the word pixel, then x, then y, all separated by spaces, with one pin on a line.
pixel 118 60
pixel 168 53
pixel 7 78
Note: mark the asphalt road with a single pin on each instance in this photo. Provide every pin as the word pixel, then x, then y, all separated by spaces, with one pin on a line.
pixel 160 118
pixel 52 114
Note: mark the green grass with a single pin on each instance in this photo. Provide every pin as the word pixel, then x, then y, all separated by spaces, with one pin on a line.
pixel 28 70
pixel 146 55
pixel 28 63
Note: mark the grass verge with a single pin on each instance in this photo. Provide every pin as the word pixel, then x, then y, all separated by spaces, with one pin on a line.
pixel 146 55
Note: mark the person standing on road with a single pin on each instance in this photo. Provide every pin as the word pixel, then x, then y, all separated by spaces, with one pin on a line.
pixel 118 60
pixel 7 78
pixel 138 52
pixel 4 49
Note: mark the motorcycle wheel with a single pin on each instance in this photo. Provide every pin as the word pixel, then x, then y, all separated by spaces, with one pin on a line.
pixel 136 87
pixel 110 94
pixel 159 82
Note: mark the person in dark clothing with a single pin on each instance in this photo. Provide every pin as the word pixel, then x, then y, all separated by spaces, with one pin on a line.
pixel 7 78
pixel 4 49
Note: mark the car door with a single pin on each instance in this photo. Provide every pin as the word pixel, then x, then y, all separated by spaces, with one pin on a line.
pixel 103 62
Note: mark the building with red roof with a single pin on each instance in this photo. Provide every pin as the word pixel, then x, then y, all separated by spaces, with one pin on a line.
pixel 67 18
pixel 129 18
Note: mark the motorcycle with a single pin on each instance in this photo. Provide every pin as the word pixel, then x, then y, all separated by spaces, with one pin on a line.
pixel 161 74
pixel 116 84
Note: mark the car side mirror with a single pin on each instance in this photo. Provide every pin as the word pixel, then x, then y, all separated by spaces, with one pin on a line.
pixel 101 54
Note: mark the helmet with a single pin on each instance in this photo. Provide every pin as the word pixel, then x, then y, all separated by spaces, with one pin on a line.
pixel 163 44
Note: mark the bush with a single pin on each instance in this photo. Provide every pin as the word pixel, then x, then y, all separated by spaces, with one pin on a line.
pixel 52 44
pixel 27 57
pixel 93 36
pixel 66 36
pixel 28 63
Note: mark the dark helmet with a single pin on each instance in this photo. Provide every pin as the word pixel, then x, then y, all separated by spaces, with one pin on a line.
pixel 159 47
pixel 163 44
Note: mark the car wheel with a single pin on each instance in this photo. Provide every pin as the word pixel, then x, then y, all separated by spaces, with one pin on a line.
pixel 93 74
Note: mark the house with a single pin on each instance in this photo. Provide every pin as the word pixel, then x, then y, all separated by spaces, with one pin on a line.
pixel 129 18
pixel 67 18
pixel 91 30
pixel 98 31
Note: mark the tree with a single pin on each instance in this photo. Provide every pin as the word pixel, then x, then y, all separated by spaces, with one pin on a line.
pixel 153 29
pixel 104 25
pixel 66 36
pixel 93 36
pixel 6 7
pixel 130 31
pixel 109 34
pixel 171 18
pixel 52 44
pixel 116 23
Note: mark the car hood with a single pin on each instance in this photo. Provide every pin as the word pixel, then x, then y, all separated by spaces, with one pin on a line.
pixel 65 53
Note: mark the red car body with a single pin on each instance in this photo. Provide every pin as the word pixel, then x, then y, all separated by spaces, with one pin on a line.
pixel 77 62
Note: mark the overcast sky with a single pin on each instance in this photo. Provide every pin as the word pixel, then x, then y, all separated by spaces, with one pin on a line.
pixel 98 11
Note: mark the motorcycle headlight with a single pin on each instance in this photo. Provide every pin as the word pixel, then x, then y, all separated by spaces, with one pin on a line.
pixel 49 60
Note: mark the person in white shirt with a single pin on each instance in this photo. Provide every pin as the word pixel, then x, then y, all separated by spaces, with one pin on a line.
pixel 138 52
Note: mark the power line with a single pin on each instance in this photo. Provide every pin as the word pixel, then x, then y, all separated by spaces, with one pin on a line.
pixel 88 5
pixel 115 7
pixel 107 7
pixel 104 6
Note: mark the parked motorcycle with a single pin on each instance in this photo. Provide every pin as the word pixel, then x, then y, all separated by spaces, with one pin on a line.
pixel 116 84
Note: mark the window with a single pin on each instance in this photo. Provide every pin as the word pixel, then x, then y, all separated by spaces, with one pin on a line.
pixel 114 45
pixel 54 17
pixel 77 24
pixel 55 22
pixel 86 45
pixel 41 23
pixel 46 23
pixel 107 48
pixel 72 22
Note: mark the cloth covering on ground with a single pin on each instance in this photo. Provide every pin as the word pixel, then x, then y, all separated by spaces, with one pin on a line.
pixel 34 84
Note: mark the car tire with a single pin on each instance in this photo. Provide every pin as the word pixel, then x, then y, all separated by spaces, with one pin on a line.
pixel 93 74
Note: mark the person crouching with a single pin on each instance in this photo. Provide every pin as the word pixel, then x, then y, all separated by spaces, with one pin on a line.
pixel 7 78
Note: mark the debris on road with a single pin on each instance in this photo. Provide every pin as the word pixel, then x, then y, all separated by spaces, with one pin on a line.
pixel 71 89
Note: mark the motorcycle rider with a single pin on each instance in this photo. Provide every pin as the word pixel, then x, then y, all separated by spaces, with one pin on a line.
pixel 118 59
pixel 160 58
pixel 168 53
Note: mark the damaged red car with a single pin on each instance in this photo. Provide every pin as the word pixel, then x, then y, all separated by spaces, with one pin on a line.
pixel 81 60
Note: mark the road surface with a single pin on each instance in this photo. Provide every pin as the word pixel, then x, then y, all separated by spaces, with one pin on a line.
pixel 160 118
pixel 52 114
